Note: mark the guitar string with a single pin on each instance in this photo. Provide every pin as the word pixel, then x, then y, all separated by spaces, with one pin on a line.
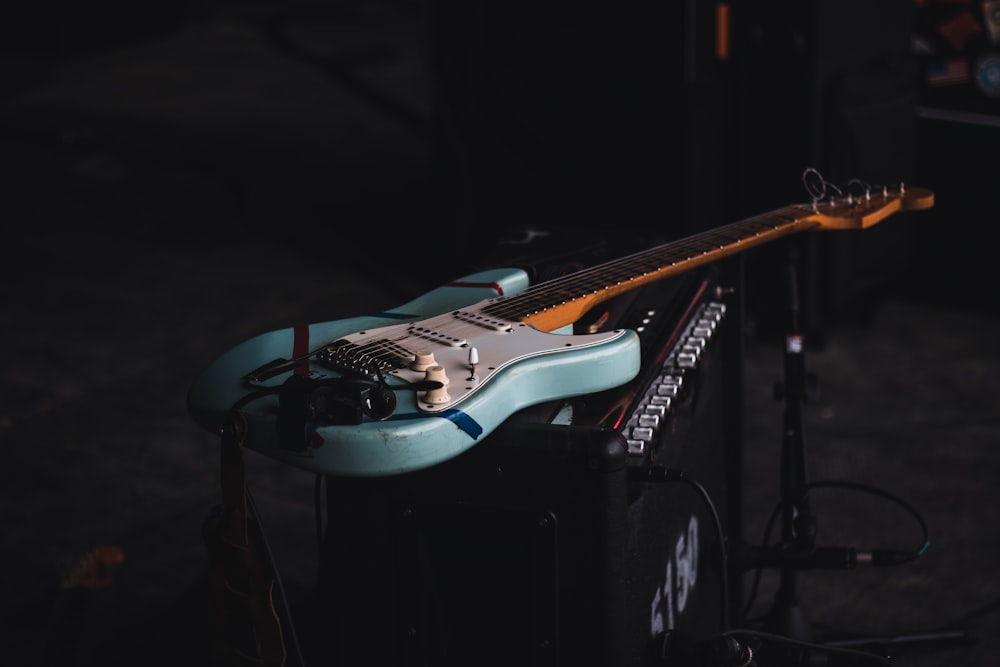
pixel 603 277
pixel 576 284
pixel 583 282
pixel 704 242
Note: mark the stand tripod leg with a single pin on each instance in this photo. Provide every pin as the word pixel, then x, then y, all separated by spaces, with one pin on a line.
pixel 787 617
pixel 882 644
pixel 241 576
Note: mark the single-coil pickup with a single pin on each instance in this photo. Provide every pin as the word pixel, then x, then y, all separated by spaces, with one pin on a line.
pixel 482 320
pixel 436 336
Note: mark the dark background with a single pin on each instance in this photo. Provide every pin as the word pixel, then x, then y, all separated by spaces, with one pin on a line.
pixel 184 176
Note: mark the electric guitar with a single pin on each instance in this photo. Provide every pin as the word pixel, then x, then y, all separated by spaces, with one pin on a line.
pixel 399 391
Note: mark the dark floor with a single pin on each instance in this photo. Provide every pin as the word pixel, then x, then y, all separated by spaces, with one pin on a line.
pixel 170 198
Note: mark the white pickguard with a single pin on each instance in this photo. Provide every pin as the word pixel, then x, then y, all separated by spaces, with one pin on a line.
pixel 449 339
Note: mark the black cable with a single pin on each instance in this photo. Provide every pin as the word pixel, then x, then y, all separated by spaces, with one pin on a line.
pixel 787 641
pixel 662 474
pixel 864 488
pixel 318 503
pixel 252 514
pixel 288 632
pixel 253 396
pixel 855 486
pixel 721 535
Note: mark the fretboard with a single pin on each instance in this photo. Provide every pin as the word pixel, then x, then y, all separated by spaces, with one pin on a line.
pixel 562 301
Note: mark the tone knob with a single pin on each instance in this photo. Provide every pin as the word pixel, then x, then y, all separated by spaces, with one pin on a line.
pixel 440 395
pixel 423 360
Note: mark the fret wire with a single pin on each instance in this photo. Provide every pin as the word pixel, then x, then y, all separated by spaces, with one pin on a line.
pixel 604 276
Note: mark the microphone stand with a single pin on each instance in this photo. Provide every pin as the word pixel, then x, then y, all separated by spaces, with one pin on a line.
pixel 798 527
pixel 798 524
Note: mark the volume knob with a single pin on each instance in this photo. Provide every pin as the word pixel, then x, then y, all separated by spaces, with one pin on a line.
pixel 440 395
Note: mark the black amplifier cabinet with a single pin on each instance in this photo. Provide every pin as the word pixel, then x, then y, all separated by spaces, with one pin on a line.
pixel 554 542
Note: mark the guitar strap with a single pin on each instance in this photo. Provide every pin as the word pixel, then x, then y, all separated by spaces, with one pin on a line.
pixel 242 576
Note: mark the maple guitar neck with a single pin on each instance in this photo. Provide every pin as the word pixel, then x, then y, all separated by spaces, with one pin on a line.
pixel 561 302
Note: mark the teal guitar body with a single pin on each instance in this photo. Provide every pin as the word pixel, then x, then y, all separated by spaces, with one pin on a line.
pixel 517 366
pixel 398 391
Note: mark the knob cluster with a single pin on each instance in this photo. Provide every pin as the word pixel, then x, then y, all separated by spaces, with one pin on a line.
pixel 424 362
pixel 667 387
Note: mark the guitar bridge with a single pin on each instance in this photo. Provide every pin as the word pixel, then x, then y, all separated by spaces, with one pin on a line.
pixel 369 360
